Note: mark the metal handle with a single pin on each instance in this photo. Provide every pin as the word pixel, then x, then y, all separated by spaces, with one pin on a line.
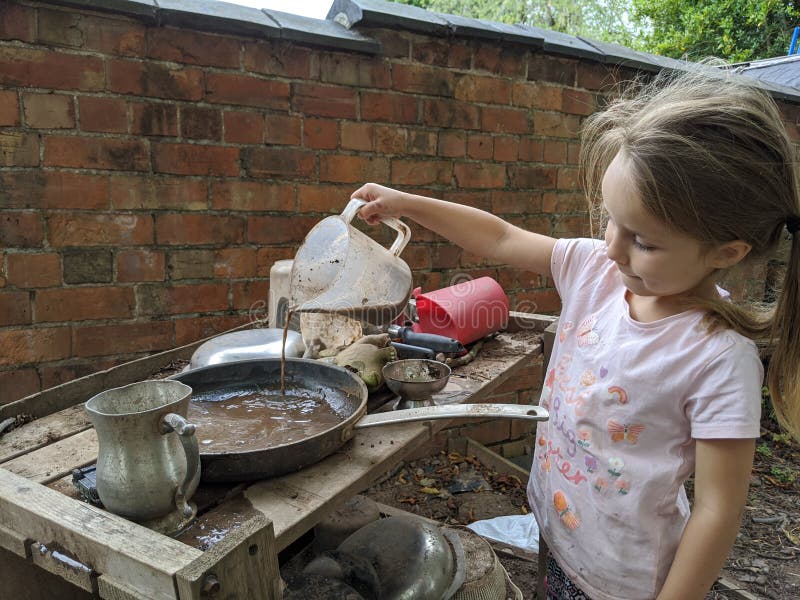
pixel 172 422
pixel 456 411
pixel 403 230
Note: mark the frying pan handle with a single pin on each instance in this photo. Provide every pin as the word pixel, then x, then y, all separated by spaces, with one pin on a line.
pixel 403 231
pixel 185 431
pixel 456 411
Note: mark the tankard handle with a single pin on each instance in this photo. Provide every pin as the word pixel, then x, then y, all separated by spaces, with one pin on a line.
pixel 185 431
pixel 403 230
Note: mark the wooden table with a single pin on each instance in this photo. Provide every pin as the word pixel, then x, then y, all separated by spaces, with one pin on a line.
pixel 231 550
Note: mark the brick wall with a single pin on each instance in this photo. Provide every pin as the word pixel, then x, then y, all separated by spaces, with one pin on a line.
pixel 151 175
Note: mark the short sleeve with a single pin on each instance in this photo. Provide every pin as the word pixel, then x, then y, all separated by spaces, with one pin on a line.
pixel 725 400
pixel 569 261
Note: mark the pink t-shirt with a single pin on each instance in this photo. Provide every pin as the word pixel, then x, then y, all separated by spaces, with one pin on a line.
pixel 626 401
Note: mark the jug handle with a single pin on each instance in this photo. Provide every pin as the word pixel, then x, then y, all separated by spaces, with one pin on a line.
pixel 403 231
pixel 186 434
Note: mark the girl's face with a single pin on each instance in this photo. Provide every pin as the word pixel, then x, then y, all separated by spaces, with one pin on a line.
pixel 652 261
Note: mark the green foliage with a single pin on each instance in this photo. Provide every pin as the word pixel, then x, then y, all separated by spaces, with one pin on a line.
pixel 764 450
pixel 736 30
pixel 784 475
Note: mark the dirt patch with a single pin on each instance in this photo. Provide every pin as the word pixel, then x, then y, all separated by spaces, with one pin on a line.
pixel 765 561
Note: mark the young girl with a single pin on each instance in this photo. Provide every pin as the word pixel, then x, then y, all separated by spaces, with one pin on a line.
pixel 654 375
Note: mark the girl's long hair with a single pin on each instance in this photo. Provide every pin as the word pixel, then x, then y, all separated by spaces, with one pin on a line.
pixel 711 158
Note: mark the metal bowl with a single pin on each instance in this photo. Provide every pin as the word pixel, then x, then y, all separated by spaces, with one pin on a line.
pixel 416 379
pixel 250 344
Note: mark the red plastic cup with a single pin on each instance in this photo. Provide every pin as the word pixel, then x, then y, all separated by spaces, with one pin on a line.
pixel 466 311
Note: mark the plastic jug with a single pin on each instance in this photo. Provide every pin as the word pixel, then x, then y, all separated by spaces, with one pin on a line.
pixel 466 311
pixel 338 269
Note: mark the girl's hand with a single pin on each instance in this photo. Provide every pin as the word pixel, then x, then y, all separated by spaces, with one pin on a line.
pixel 381 202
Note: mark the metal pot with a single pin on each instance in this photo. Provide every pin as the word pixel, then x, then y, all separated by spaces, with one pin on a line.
pixel 250 344
pixel 251 387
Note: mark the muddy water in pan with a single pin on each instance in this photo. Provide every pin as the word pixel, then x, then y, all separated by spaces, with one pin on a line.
pixel 240 419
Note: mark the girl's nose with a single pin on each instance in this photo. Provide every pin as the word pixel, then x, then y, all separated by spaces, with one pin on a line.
pixel 616 249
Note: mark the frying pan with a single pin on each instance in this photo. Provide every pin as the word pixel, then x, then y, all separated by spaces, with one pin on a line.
pixel 249 454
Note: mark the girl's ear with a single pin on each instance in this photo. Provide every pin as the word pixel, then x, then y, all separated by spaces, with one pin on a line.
pixel 730 253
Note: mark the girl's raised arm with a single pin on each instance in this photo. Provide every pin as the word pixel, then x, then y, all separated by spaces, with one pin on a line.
pixel 474 230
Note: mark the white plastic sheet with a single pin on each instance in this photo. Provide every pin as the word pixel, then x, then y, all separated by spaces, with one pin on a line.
pixel 520 531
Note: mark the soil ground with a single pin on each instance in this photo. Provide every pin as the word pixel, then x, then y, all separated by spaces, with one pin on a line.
pixel 765 561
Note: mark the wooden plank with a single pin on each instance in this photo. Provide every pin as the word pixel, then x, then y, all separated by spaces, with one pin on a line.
pixel 122 551
pixel 14 542
pixel 41 432
pixel 518 321
pixel 56 460
pixel 64 566
pixel 735 589
pixel 242 565
pixel 79 390
pixel 491 459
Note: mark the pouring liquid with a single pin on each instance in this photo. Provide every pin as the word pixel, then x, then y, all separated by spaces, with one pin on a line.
pixel 289 313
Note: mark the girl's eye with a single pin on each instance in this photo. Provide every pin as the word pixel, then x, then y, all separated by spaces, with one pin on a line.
pixel 640 246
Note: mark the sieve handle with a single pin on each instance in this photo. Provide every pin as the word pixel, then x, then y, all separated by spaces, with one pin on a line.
pixel 403 230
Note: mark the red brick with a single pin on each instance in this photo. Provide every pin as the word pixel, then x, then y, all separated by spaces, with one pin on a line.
pixel 195 159
pixel 80 229
pixel 479 199
pixel 555 152
pixel 392 108
pixel 418 256
pixel 53 375
pixel 154 80
pixel 19 149
pixel 320 198
pixel 267 255
pixel 324 100
pixel 20 229
pixel 531 150
pixel 577 102
pixel 48 111
pixel 390 140
pixel 444 53
pixel 354 69
pixel 9 108
pixel 538 301
pixel 30 346
pixel 530 177
pixel 556 125
pixel 421 142
pixel 445 256
pixel 537 95
pixel 248 294
pixel 480 146
pixel 355 169
pixel 134 266
pixel 283 129
pixel 322 134
pixel 279 163
pixel 508 202
pixel 96 153
pixel 108 115
pixel 52 189
pixel 153 119
pixel 15 308
pixel 183 229
pixel 594 76
pixel 564 203
pixel 155 299
pixel 251 196
pixel 544 67
pixel 421 172
pixel 132 192
pixel 193 47
pixel 17 22
pixel 18 384
pixel 394 43
pixel 278 230
pixel 573 152
pixel 201 123
pixel 286 59
pixel 477 88
pixel 127 338
pixel 34 270
pixel 450 114
pixel 84 304
pixel 568 179
pixel 243 127
pixel 190 264
pixel 452 144
pixel 506 148
pixel 358 136
pixel 91 32
pixel 504 120
pixel 25 67
pixel 235 263
pixel 499 60
pixel 422 79
pixel 225 88
pixel 571 226
pixel 198 328
pixel 480 175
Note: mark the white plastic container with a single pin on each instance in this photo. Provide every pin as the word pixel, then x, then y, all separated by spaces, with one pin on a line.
pixel 280 275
